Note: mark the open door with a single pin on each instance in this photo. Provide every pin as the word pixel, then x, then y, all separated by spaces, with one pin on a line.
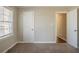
pixel 72 28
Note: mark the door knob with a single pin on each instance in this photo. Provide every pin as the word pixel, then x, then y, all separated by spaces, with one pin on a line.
pixel 32 29
pixel 75 30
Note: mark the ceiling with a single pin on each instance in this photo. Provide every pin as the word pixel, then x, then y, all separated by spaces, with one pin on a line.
pixel 64 8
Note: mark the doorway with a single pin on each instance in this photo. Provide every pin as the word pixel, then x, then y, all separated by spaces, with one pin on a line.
pixel 61 19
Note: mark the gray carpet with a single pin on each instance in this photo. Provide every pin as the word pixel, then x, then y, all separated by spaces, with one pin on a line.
pixel 43 48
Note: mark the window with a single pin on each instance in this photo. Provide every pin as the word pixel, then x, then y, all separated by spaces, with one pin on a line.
pixel 6 21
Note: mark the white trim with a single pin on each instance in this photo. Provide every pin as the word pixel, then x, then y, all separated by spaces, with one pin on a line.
pixel 38 42
pixel 9 47
pixel 5 36
pixel 75 46
pixel 62 12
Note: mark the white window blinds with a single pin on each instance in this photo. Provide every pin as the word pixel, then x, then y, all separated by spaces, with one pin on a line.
pixel 6 21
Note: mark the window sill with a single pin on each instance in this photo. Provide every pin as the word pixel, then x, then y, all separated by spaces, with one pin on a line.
pixel 5 36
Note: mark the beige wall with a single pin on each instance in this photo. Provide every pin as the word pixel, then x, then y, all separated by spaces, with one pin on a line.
pixel 9 40
pixel 61 25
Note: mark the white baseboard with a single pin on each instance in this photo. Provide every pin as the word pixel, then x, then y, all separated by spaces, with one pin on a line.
pixel 10 47
pixel 24 42
pixel 36 42
pixel 75 45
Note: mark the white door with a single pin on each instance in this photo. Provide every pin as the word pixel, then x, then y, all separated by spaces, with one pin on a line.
pixel 28 26
pixel 44 31
pixel 72 28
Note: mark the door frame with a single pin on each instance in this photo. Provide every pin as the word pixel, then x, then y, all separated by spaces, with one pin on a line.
pixel 56 24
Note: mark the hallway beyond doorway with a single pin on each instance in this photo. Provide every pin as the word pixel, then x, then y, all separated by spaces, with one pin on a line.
pixel 61 27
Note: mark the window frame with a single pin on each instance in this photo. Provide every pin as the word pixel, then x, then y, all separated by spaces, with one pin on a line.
pixel 10 33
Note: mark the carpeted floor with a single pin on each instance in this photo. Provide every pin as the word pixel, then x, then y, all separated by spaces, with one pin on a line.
pixel 43 48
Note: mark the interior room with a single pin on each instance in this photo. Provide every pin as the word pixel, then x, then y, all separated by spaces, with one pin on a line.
pixel 39 29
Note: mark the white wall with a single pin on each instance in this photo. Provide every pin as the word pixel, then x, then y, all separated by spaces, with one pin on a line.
pixel 61 25
pixel 6 42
